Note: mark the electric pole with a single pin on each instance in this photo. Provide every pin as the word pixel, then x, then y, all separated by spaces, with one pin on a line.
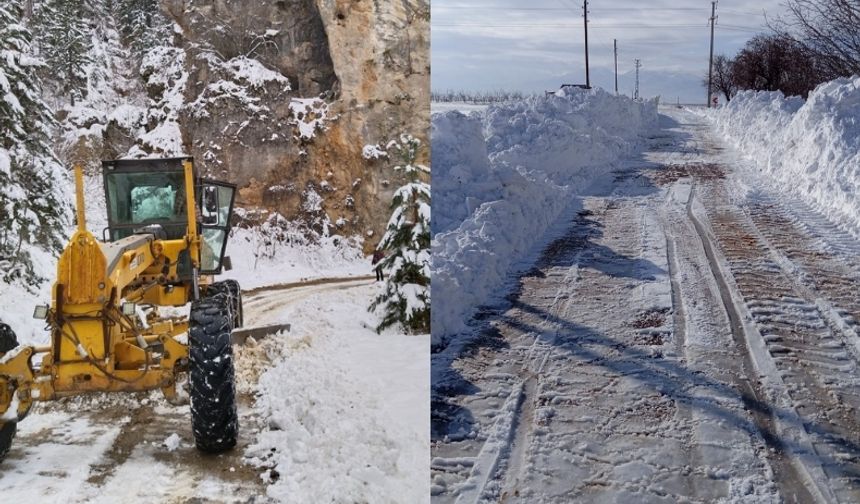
pixel 615 45
pixel 711 60
pixel 638 64
pixel 585 16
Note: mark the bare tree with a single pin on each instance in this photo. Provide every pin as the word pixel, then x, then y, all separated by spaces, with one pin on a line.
pixel 828 29
pixel 722 77
pixel 776 63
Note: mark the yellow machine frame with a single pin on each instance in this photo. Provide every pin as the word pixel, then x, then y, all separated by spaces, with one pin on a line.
pixel 94 345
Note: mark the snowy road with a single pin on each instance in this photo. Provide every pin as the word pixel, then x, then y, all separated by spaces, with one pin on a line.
pixel 685 336
pixel 294 442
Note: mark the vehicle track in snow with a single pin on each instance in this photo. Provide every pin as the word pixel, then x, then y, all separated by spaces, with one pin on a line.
pixel 110 447
pixel 798 295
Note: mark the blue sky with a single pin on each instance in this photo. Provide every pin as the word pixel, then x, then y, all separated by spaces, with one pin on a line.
pixel 531 46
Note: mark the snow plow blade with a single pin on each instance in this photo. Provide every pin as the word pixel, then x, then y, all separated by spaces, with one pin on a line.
pixel 240 336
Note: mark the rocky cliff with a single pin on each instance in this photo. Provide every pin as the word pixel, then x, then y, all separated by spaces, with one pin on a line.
pixel 354 73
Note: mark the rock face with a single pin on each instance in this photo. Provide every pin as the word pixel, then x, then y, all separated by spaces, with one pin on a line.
pixel 280 97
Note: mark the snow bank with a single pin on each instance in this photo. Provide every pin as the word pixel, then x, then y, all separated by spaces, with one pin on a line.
pixel 346 410
pixel 810 149
pixel 502 177
pixel 258 260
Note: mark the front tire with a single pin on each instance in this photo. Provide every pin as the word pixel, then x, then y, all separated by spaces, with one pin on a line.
pixel 8 342
pixel 212 390
pixel 234 292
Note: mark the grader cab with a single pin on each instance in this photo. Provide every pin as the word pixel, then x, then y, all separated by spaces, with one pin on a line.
pixel 166 237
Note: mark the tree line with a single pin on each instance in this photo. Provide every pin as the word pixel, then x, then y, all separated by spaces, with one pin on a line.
pixel 477 97
pixel 49 51
pixel 811 42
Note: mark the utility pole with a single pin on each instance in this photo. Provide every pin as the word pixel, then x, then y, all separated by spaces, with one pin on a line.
pixel 615 45
pixel 638 64
pixel 711 60
pixel 585 16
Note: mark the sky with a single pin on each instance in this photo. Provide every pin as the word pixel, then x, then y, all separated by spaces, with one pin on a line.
pixel 537 45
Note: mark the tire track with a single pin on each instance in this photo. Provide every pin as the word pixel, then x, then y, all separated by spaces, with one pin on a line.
pixel 754 398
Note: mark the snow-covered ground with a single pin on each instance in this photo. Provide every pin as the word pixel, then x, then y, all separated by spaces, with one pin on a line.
pixel 331 411
pixel 501 178
pixel 689 334
pixel 347 409
pixel 330 256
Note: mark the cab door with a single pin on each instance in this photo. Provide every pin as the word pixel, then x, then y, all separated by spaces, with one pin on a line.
pixel 216 212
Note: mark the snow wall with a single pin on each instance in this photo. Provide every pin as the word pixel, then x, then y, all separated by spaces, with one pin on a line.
pixel 502 177
pixel 810 149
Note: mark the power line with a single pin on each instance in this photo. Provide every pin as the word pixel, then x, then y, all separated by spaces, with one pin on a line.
pixel 638 64
pixel 615 47
pixel 711 60
pixel 585 24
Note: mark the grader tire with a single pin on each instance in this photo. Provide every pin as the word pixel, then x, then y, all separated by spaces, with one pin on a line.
pixel 212 390
pixel 232 289
pixel 7 433
pixel 8 341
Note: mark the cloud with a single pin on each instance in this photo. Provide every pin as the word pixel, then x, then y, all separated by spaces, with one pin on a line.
pixel 505 44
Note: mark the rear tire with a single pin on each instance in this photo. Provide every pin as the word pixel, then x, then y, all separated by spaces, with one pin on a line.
pixel 232 289
pixel 212 390
pixel 7 433
pixel 8 341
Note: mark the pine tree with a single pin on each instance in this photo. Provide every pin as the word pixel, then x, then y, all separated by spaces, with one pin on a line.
pixel 65 42
pixel 406 295
pixel 142 24
pixel 33 209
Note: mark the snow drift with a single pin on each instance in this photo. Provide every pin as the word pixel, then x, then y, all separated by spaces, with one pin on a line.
pixel 810 149
pixel 502 177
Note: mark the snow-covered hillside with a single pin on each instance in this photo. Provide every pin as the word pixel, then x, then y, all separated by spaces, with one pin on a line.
pixel 810 149
pixel 502 177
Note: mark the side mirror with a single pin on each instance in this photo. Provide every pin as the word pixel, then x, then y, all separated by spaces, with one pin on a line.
pixel 227 263
pixel 209 210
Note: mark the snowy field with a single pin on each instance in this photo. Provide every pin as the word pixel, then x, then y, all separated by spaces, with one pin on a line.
pixel 458 106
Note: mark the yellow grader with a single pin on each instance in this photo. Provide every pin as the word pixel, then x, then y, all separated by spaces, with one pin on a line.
pixel 166 237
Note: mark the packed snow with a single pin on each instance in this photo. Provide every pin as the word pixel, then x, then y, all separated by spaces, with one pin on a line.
pixel 810 149
pixel 503 176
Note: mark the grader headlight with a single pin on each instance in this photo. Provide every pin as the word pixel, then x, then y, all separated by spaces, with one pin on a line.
pixel 129 309
pixel 40 312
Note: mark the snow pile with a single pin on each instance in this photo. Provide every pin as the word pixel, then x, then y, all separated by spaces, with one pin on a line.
pixel 503 177
pixel 172 443
pixel 346 410
pixel 280 251
pixel 810 149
